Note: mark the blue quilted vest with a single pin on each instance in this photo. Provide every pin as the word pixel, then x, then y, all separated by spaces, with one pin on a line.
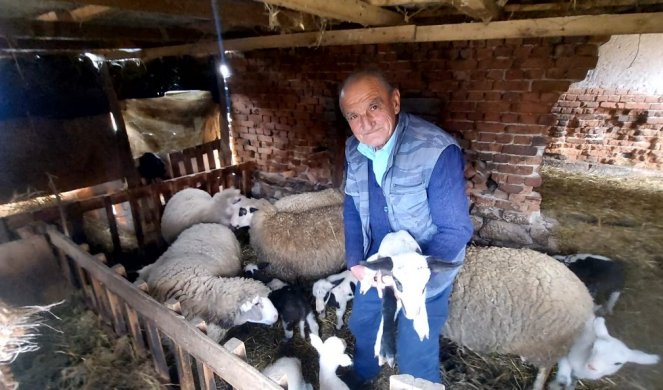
pixel 418 146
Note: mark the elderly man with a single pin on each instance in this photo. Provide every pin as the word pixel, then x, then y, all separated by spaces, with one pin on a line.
pixel 403 173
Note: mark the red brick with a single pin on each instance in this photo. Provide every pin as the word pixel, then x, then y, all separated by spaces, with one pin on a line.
pixel 513 179
pixel 492 127
pixel 511 188
pixel 550 85
pixel 520 150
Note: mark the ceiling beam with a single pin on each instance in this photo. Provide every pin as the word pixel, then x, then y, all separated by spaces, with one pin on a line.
pixel 80 14
pixel 485 10
pixel 546 27
pixel 393 3
pixel 355 11
pixel 192 8
pixel 18 29
pixel 567 6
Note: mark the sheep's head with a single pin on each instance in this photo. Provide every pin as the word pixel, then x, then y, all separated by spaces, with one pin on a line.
pixel 332 352
pixel 321 292
pixel 609 354
pixel 242 211
pixel 258 310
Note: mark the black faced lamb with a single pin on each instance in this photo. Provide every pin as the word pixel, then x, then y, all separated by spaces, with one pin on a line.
pixel 604 278
pixel 151 167
pixel 334 291
pixel 301 236
pixel 511 301
pixel 259 272
pixel 195 270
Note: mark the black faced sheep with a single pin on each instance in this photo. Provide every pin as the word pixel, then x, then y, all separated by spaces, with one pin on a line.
pixel 604 278
pixel 193 271
pixel 301 236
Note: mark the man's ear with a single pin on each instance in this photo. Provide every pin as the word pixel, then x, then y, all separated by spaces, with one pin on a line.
pixel 396 100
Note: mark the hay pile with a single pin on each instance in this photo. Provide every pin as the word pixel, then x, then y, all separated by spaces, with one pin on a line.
pixel 75 353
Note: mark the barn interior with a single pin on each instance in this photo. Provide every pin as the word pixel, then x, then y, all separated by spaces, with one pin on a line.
pixel 558 106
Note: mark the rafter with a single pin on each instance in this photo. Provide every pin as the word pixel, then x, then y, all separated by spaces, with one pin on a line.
pixel 345 10
pixel 547 27
pixel 485 10
pixel 18 29
pixel 393 3
pixel 81 14
pixel 566 6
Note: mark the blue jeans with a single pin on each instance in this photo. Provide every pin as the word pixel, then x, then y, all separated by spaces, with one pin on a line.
pixel 420 359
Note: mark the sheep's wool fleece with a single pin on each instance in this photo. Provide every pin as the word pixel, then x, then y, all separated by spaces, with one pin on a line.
pixel 189 207
pixel 301 236
pixel 517 301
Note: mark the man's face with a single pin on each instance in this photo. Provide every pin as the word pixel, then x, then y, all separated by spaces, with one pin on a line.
pixel 370 110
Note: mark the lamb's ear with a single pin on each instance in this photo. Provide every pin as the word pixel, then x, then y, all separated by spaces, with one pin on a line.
pixel 436 264
pixel 337 282
pixel 640 357
pixel 381 264
pixel 316 342
pixel 599 327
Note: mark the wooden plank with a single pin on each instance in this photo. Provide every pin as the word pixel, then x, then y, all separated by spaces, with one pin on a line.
pixel 199 158
pixel 228 366
pixel 117 314
pixel 80 14
pixel 65 267
pixel 355 11
pixel 134 328
pixel 156 350
pixel 485 10
pixel 188 167
pixel 393 3
pixel 136 218
pixel 568 6
pixel 205 376
pixel 642 23
pixel 184 369
pixel 548 27
pixel 112 224
pixel 86 285
pixel 103 305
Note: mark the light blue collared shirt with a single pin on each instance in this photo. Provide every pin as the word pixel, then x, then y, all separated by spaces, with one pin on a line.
pixel 380 157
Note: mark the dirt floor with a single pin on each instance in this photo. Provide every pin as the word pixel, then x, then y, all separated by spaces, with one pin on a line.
pixel 615 217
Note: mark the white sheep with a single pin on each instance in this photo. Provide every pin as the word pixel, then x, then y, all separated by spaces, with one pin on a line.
pixel 335 291
pixel 510 301
pixel 604 278
pixel 191 206
pixel 301 236
pixel 287 372
pixel 594 355
pixel 244 209
pixel 192 271
pixel 332 354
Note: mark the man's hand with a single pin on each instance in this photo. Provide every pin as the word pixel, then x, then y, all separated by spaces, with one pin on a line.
pixel 358 271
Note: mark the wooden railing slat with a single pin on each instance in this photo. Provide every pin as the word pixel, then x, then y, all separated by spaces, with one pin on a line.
pixel 156 350
pixel 134 327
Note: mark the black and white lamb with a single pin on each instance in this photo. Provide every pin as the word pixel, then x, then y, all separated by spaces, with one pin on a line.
pixel 334 291
pixel 196 270
pixel 604 278
pixel 515 301
pixel 287 372
pixel 332 355
pixel 192 206
pixel 290 301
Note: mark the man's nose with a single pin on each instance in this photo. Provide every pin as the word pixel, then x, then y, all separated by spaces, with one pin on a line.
pixel 366 121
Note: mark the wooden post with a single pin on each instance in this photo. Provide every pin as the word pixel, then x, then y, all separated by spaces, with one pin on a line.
pixel 158 357
pixel 134 328
pixel 112 224
pixel 123 146
pixel 184 369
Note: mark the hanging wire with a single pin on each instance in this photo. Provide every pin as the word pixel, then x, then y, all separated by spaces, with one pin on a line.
pixel 222 61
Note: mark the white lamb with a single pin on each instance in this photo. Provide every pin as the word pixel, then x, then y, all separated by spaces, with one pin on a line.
pixel 287 372
pixel 335 291
pixel 332 354
pixel 191 206
pixel 192 271
pixel 512 301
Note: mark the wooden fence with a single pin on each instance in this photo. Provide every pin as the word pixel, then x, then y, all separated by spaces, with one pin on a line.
pixel 199 360
pixel 205 157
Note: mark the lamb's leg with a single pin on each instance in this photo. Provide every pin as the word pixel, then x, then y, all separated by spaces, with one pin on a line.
pixel 541 376
pixel 312 324
pixel 287 329
pixel 563 379
pixel 339 314
pixel 388 336
pixel 301 329
pixel 611 302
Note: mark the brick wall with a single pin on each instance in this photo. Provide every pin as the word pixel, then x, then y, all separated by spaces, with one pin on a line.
pixel 608 126
pixel 495 96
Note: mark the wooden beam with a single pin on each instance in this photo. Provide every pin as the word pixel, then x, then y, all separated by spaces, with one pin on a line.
pixel 81 14
pixel 69 30
pixel 567 6
pixel 644 23
pixel 355 11
pixel 485 10
pixel 194 8
pixel 393 3
pixel 312 39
